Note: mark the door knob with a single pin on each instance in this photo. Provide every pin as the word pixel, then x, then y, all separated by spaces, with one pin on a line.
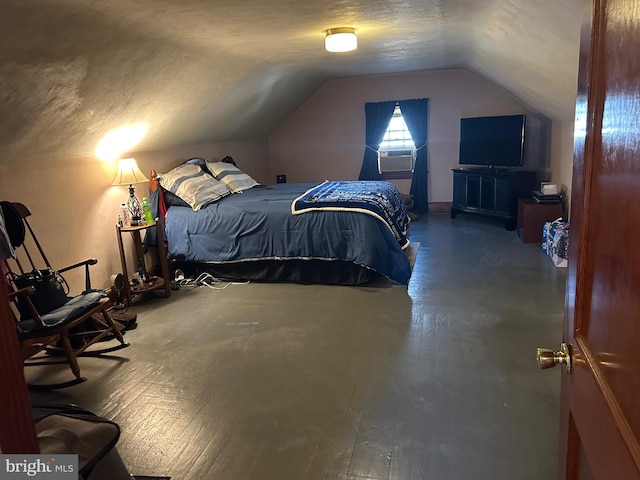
pixel 548 358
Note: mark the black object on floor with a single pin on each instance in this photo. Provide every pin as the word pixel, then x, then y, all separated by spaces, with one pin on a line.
pixel 129 320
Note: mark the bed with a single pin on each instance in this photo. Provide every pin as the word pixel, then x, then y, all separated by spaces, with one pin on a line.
pixel 295 232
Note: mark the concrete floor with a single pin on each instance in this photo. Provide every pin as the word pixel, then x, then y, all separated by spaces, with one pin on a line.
pixel 290 382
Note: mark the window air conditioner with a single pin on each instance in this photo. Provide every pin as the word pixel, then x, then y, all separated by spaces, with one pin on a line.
pixel 396 160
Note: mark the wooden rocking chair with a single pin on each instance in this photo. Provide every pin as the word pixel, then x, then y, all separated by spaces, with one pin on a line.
pixel 66 332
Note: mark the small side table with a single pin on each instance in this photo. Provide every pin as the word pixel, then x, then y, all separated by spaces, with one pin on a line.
pixel 532 216
pixel 161 281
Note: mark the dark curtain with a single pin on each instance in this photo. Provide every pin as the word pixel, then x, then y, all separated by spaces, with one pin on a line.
pixel 378 116
pixel 415 113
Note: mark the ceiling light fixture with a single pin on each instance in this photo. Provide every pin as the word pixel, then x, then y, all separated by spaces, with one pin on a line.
pixel 341 39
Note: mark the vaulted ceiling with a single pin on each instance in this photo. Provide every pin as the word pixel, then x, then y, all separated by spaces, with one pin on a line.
pixel 199 71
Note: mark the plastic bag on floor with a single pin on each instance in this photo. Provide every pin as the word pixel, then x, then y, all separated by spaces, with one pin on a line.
pixel 69 429
pixel 560 246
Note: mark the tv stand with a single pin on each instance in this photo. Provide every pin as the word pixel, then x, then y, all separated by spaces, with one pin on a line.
pixel 487 169
pixel 491 192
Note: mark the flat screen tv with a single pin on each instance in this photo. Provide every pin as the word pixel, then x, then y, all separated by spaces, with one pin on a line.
pixel 492 141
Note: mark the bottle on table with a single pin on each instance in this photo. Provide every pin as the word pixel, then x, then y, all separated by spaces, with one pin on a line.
pixel 124 215
pixel 146 211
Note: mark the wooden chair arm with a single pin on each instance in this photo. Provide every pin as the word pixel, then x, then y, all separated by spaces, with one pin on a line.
pixel 22 291
pixel 89 261
pixel 26 292
pixel 85 264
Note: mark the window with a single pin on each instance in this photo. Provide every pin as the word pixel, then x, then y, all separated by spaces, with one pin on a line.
pixel 397 136
pixel 397 152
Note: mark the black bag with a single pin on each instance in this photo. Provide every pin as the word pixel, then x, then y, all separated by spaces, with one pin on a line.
pixel 51 291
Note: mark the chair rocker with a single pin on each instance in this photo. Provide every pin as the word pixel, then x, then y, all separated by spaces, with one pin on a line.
pixel 61 335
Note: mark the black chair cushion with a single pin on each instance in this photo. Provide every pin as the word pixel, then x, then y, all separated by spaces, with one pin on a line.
pixel 77 305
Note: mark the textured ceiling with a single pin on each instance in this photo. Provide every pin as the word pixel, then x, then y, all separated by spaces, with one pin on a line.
pixel 201 71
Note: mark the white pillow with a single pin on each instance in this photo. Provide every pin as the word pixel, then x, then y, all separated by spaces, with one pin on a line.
pixel 234 178
pixel 193 185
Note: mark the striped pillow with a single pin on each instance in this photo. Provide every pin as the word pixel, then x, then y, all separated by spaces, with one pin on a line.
pixel 193 185
pixel 234 178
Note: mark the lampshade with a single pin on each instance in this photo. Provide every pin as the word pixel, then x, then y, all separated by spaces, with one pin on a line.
pixel 128 173
pixel 341 39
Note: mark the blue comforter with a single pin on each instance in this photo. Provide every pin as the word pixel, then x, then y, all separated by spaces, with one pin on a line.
pixel 382 200
pixel 258 224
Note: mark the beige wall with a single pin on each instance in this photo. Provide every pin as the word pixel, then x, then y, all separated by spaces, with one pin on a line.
pixel 324 138
pixel 74 207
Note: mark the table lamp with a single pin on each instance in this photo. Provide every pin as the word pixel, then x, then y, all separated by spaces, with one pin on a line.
pixel 128 173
